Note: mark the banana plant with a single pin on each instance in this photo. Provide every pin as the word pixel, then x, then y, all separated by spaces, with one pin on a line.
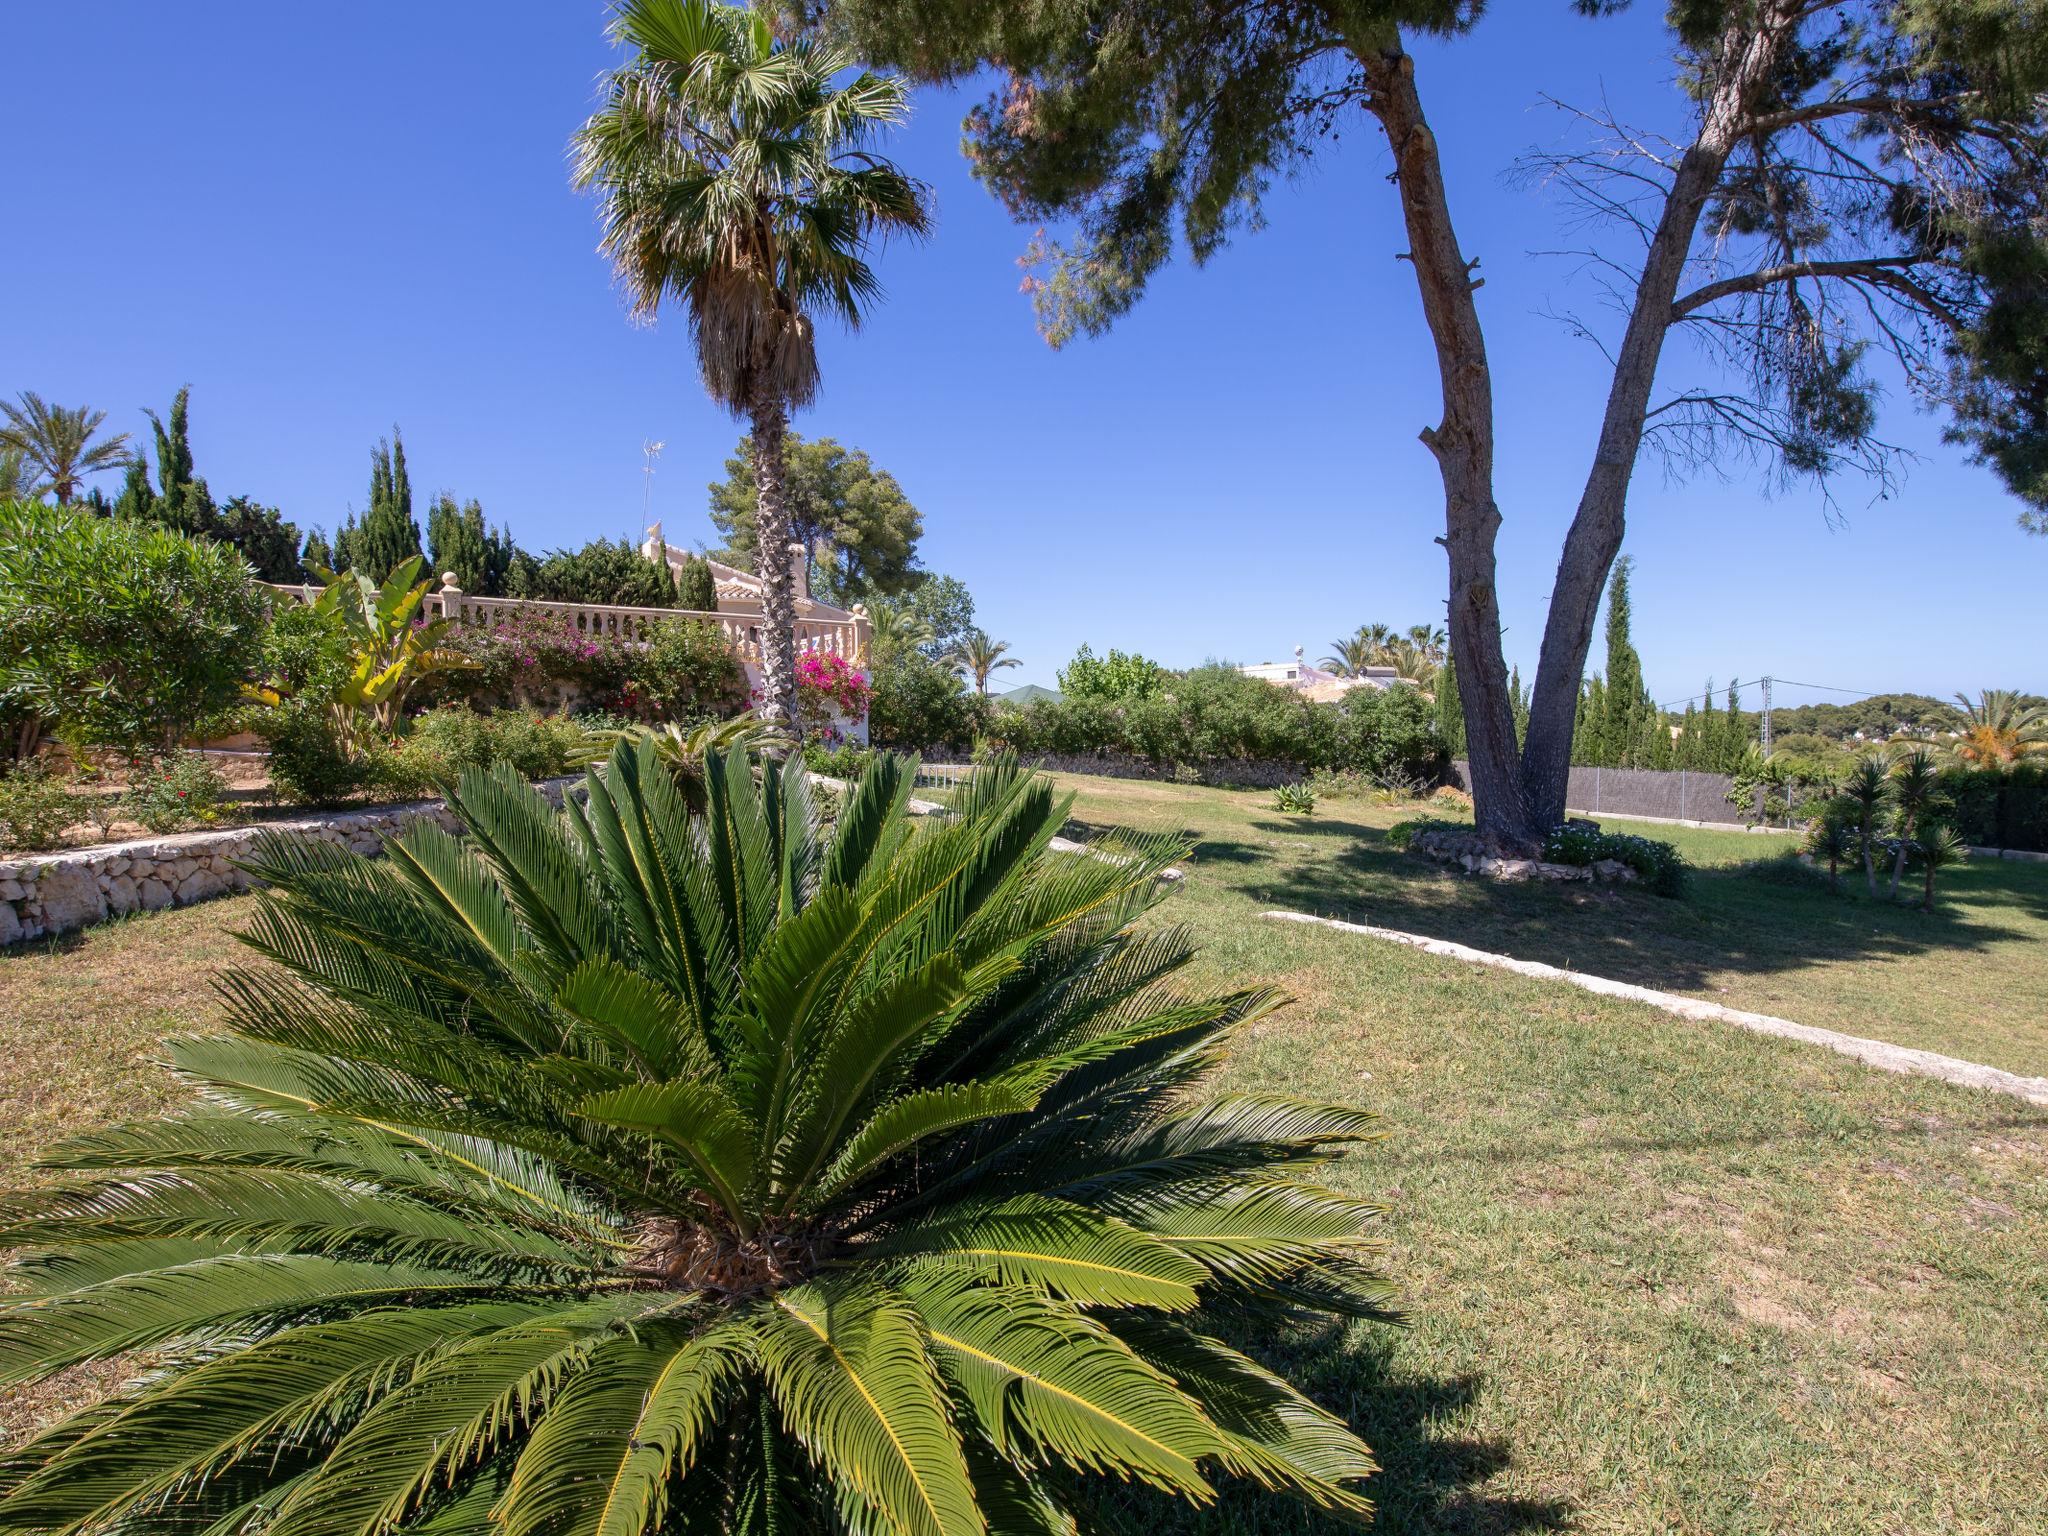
pixel 615 1170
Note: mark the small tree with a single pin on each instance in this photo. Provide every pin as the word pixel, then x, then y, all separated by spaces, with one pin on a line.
pixel 1868 788
pixel 1915 782
pixel 1115 676
pixel 126 635
pixel 458 541
pixel 1831 839
pixel 1937 847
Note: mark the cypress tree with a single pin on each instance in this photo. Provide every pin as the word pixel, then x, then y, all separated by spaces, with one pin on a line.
pixel 1733 736
pixel 695 588
pixel 388 535
pixel 1627 703
pixel 138 497
pixel 183 502
pixel 1450 713
pixel 1518 701
pixel 316 556
pixel 461 542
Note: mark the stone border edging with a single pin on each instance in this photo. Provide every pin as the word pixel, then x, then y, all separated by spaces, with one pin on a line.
pixel 1875 1053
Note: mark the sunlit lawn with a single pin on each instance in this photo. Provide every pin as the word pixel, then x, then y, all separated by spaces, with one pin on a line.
pixel 1661 1276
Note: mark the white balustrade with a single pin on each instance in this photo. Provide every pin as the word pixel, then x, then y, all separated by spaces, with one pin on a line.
pixel 836 637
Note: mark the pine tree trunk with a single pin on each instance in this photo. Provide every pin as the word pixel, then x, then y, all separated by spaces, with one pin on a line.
pixel 772 564
pixel 1520 794
pixel 1463 444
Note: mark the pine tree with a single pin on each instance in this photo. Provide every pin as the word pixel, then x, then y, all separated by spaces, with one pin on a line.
pixel 1450 713
pixel 388 535
pixel 695 588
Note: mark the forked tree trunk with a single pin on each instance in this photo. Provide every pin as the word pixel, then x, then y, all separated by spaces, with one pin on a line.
pixel 1519 794
pixel 772 562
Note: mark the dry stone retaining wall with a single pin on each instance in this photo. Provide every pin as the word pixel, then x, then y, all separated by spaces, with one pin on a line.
pixel 45 894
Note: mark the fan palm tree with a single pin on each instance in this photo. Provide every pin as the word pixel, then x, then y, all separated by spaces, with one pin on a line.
pixel 979 655
pixel 1915 780
pixel 1998 729
pixel 736 181
pixel 1868 788
pixel 614 1170
pixel 58 442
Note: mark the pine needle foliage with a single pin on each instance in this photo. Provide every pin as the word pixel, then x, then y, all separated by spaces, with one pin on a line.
pixel 619 1169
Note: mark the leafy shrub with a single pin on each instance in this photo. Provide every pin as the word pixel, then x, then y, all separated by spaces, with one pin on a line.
pixel 310 763
pixel 1402 834
pixel 1295 800
pixel 1999 807
pixel 1113 677
pixel 870 1217
pixel 175 792
pixel 125 634
pixel 1216 714
pixel 687 671
pixel 916 702
pixel 36 805
pixel 844 760
pixel 1658 865
pixel 444 742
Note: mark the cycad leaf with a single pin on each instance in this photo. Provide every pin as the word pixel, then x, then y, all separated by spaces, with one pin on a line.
pixel 604 1459
pixel 848 1371
pixel 924 1112
pixel 1079 1254
pixel 697 1118
pixel 1042 1379
pixel 651 1026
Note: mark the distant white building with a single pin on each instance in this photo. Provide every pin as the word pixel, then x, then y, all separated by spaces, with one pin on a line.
pixel 1319 684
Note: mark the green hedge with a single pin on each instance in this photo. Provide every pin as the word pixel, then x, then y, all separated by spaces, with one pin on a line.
pixel 1216 714
pixel 1999 807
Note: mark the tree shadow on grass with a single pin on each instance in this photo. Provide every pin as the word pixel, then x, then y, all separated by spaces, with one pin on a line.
pixel 1755 919
pixel 1206 850
pixel 1431 1479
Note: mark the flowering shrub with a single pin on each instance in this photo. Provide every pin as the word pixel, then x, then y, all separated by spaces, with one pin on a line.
pixel 168 794
pixel 829 687
pixel 536 659
pixel 36 806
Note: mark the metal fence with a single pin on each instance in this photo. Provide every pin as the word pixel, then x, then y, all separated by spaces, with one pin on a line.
pixel 1672 795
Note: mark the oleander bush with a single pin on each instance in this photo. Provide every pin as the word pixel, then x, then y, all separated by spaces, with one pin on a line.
pixel 124 635
pixel 174 793
pixel 618 1170
pixel 442 743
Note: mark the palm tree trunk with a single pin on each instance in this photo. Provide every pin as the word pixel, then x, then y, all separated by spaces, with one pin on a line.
pixel 772 557
pixel 1869 864
pixel 1899 860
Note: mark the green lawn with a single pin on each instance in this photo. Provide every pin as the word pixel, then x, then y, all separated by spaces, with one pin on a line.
pixel 1661 1276
pixel 1757 932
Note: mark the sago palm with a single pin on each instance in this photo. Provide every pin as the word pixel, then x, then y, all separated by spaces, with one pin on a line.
pixel 58 442
pixel 980 654
pixel 1998 729
pixel 615 1170
pixel 737 181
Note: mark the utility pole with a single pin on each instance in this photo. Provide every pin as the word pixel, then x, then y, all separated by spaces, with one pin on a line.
pixel 1766 730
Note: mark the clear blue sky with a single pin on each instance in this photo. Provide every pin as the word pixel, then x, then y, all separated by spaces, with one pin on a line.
pixel 327 220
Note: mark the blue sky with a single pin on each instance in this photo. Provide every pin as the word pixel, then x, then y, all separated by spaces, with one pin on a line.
pixel 327 220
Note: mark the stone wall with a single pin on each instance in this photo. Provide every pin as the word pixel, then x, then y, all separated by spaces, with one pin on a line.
pixel 50 893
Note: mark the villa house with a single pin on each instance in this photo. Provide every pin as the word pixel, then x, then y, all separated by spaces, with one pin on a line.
pixel 1319 685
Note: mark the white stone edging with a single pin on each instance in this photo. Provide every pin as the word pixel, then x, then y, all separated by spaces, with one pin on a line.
pixel 1876 1053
